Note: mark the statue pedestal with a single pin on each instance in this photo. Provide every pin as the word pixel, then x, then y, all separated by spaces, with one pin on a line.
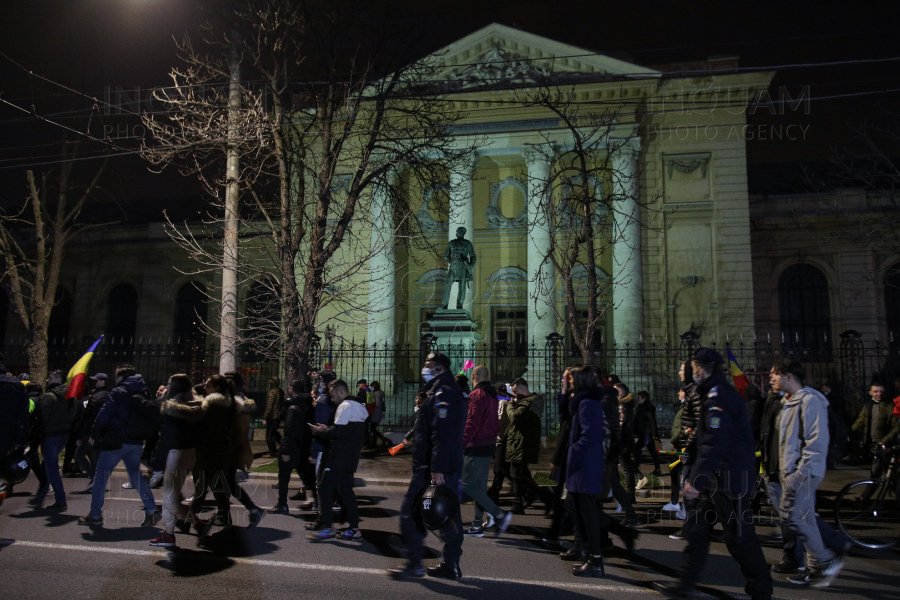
pixel 455 335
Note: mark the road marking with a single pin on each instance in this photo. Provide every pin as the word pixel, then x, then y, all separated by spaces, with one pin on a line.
pixel 626 589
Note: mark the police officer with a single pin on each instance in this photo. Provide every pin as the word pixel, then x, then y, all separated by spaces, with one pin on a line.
pixel 722 473
pixel 437 459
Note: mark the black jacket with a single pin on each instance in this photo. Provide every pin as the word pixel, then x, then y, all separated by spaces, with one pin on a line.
pixel 645 420
pixel 725 457
pixel 611 420
pixel 14 416
pixel 118 407
pixel 215 446
pixel 438 432
pixel 769 436
pixel 95 402
pixel 691 416
pixel 180 428
pixel 57 412
pixel 344 440
pixel 560 455
pixel 297 412
pixel 626 420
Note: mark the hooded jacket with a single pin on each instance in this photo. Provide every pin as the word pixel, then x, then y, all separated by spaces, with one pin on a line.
pixel 803 433
pixel 57 413
pixel 585 464
pixel 344 440
pixel 94 403
pixel 645 420
pixel 117 408
pixel 298 411
pixel 180 428
pixel 523 438
pixel 482 424
pixel 242 454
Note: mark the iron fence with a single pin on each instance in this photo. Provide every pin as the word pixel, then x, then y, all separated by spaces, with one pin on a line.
pixel 850 367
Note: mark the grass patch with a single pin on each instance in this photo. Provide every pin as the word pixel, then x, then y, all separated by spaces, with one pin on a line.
pixel 269 467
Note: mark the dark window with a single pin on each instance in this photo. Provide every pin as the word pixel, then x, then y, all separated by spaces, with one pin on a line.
pixel 804 308
pixel 121 318
pixel 60 318
pixel 189 334
pixel 892 304
pixel 262 322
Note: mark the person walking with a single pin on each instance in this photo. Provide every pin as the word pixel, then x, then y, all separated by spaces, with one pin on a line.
pixel 675 472
pixel 175 453
pixel 272 415
pixel 611 482
pixel 86 455
pixel 57 415
pixel 377 417
pixel 437 460
pixel 876 425
pixel 295 443
pixel 646 435
pixel 116 423
pixel 720 478
pixel 626 441
pixel 480 441
pixel 501 465
pixel 523 445
pixel 344 441
pixel 242 454
pixel 35 432
pixel 15 418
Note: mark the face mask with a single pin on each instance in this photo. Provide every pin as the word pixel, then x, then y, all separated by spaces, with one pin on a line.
pixel 426 374
pixel 509 390
pixel 698 379
pixel 321 387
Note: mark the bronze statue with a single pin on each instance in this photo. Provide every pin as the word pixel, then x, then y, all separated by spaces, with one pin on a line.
pixel 460 257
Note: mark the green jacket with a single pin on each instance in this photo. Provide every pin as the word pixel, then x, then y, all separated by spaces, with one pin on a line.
pixel 887 428
pixel 523 437
pixel 676 430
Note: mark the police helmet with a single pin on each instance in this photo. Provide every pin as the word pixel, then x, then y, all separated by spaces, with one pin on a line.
pixel 437 505
pixel 14 467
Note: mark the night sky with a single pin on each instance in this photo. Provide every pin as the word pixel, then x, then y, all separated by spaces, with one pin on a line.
pixel 93 45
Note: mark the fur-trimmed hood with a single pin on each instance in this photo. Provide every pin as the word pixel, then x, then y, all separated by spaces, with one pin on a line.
pixel 244 405
pixel 216 399
pixel 627 399
pixel 186 406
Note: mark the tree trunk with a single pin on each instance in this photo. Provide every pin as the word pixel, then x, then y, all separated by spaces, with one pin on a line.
pixel 37 356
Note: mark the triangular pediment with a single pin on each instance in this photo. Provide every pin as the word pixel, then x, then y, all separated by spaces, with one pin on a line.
pixel 498 54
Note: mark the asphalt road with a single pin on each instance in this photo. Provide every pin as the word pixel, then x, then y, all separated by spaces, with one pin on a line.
pixel 44 555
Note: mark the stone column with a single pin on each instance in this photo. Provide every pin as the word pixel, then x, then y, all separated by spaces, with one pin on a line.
pixel 628 280
pixel 382 300
pixel 541 275
pixel 462 214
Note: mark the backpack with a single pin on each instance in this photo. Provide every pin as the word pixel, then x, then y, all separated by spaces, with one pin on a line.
pixel 145 417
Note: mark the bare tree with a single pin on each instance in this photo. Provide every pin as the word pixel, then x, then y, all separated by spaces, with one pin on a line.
pixel 32 245
pixel 588 205
pixel 329 125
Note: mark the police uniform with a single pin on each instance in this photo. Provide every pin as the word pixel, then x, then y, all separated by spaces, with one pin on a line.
pixel 723 470
pixel 437 448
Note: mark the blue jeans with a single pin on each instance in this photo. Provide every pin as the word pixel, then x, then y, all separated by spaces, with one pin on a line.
pixel 50 449
pixel 130 454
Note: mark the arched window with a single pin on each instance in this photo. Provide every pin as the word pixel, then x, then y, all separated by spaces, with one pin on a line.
pixel 892 304
pixel 190 316
pixel 262 323
pixel 121 319
pixel 60 318
pixel 804 307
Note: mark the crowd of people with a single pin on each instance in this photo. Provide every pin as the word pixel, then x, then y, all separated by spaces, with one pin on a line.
pixel 463 426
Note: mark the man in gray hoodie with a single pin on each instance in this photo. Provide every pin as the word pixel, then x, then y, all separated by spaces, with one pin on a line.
pixel 803 449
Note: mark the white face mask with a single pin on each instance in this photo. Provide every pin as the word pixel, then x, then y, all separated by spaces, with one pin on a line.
pixel 427 374
pixel 509 390
pixel 698 379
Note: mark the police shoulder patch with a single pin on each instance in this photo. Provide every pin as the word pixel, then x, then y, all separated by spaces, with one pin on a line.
pixel 442 413
pixel 715 422
pixel 713 392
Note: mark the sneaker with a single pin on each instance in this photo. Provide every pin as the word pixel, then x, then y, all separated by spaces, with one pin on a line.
pixel 618 507
pixel 446 570
pixel 152 518
pixel 156 481
pixel 475 531
pixel 90 520
pixel 676 536
pixel 840 558
pixel 631 522
pixel 36 501
pixel 817 578
pixel 58 507
pixel 183 525
pixel 256 515
pixel 166 540
pixel 301 495
pixel 671 507
pixel 642 483
pixel 681 514
pixel 407 571
pixel 488 521
pixel 321 536
pixel 280 509
pixel 504 523
pixel 788 568
pixel 127 486
pixel 88 487
pixel 351 535
pixel 188 500
pixel 314 525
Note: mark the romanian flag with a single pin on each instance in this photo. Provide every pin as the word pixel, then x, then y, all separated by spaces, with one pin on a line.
pixel 77 378
pixel 740 380
pixel 328 364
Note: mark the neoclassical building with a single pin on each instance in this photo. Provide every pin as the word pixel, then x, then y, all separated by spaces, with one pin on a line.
pixel 689 259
